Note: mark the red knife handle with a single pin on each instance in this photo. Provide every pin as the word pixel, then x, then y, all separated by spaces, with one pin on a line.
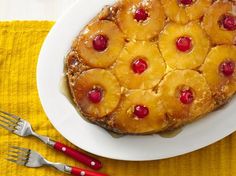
pixel 79 156
pixel 82 172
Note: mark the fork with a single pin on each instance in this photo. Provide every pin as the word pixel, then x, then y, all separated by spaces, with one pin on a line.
pixel 22 128
pixel 30 158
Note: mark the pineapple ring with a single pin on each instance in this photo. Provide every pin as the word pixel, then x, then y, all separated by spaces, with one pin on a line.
pixel 169 92
pixel 84 44
pixel 150 77
pixel 124 119
pixel 183 15
pixel 184 60
pixel 102 79
pixel 211 23
pixel 141 30
pixel 223 87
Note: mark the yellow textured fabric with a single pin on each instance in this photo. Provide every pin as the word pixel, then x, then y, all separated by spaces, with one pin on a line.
pixel 20 44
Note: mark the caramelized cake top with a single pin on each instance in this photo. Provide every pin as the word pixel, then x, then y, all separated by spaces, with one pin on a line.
pixel 145 66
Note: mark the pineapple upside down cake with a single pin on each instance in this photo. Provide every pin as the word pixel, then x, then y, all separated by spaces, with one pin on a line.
pixel 145 66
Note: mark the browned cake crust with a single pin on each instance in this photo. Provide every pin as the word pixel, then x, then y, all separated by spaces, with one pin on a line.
pixel 141 67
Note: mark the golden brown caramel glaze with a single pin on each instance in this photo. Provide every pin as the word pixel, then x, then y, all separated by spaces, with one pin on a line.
pixel 212 22
pixel 125 120
pixel 94 53
pixel 222 82
pixel 173 89
pixel 140 27
pixel 146 66
pixel 96 79
pixel 184 13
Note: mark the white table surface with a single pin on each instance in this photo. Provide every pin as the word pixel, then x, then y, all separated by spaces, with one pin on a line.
pixel 33 9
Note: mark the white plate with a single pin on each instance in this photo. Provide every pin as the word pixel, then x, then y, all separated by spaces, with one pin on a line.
pixel 94 139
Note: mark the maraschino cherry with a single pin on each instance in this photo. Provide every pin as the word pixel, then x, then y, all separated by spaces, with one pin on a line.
pixel 139 66
pixel 186 96
pixel 227 68
pixel 95 95
pixel 184 44
pixel 229 22
pixel 186 2
pixel 141 111
pixel 141 14
pixel 100 42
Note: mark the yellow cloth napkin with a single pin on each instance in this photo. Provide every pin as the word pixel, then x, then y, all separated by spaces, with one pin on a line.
pixel 20 44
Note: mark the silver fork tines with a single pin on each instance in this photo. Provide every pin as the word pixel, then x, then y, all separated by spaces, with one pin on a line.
pixel 18 155
pixel 8 121
pixel 20 127
pixel 30 158
pixel 12 115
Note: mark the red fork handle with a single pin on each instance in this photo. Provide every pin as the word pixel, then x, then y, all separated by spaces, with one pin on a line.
pixel 82 172
pixel 79 156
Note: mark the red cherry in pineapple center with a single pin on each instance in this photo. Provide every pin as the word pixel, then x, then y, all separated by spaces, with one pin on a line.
pixel 186 96
pixel 141 111
pixel 139 66
pixel 184 44
pixel 186 2
pixel 229 22
pixel 141 14
pixel 227 68
pixel 95 95
pixel 100 42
